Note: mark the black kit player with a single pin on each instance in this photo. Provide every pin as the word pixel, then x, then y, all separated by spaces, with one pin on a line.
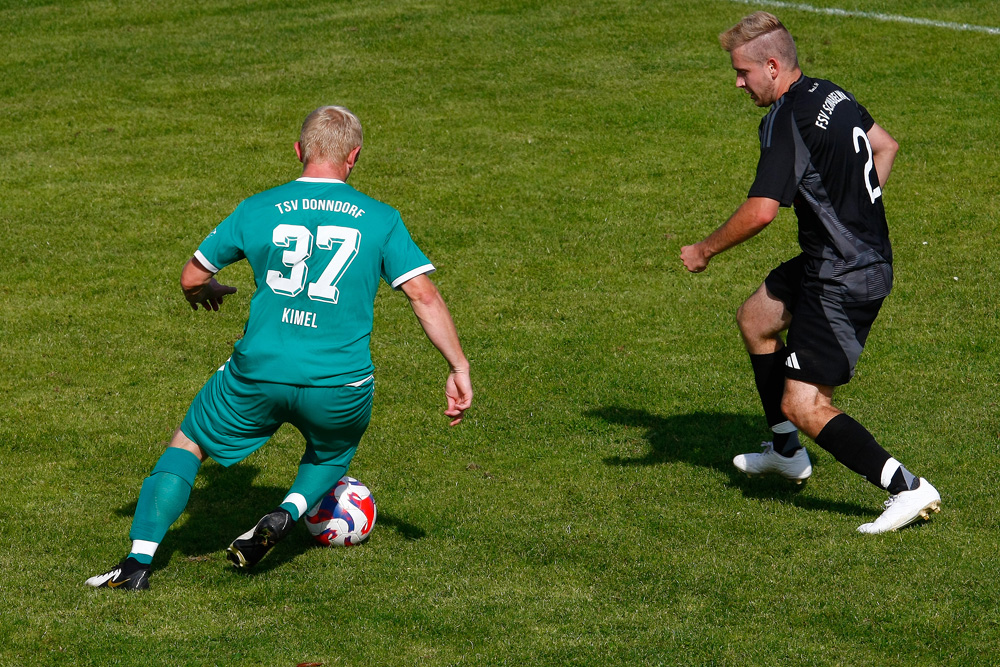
pixel 821 152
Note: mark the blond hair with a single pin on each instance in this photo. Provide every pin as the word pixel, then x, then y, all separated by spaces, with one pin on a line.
pixel 329 134
pixel 764 36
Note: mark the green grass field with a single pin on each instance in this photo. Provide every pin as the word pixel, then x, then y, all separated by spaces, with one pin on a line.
pixel 551 159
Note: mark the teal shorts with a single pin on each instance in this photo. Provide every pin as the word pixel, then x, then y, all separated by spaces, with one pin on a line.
pixel 231 418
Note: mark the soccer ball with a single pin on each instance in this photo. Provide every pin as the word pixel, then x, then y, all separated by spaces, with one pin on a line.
pixel 343 517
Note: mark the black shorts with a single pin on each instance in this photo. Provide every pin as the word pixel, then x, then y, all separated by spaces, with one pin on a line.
pixel 827 335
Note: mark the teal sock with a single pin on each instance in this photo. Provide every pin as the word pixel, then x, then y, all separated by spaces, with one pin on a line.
pixel 145 559
pixel 163 497
pixel 311 483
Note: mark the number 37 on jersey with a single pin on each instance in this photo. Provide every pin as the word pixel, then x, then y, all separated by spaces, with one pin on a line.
pixel 342 242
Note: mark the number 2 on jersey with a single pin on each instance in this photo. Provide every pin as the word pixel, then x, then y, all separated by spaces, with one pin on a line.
pixel 875 192
pixel 299 242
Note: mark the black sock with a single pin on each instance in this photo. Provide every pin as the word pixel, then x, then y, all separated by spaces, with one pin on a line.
pixel 902 480
pixel 769 376
pixel 852 444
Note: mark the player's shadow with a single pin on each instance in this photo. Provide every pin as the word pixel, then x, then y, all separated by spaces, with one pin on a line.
pixel 226 503
pixel 223 504
pixel 711 440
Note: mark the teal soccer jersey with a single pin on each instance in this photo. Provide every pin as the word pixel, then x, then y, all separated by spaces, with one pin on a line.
pixel 317 248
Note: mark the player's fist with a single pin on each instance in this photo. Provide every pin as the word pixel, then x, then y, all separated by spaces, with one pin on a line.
pixel 458 393
pixel 694 257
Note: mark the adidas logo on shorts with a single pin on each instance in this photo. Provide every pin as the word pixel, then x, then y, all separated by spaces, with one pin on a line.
pixel 793 362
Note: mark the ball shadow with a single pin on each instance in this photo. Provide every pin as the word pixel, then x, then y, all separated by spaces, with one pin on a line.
pixel 301 541
pixel 406 530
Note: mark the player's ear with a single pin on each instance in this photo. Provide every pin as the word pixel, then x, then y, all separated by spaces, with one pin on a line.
pixel 353 156
pixel 352 159
pixel 298 151
pixel 773 67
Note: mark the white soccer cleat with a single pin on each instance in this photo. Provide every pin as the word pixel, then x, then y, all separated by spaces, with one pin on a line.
pixel 796 468
pixel 905 508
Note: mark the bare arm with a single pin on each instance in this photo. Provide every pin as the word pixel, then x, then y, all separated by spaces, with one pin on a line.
pixel 884 149
pixel 753 215
pixel 433 315
pixel 200 286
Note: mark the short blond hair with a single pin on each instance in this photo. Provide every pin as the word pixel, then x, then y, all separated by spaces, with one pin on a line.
pixel 329 134
pixel 764 36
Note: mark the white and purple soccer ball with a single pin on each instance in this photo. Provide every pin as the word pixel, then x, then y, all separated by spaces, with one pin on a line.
pixel 344 517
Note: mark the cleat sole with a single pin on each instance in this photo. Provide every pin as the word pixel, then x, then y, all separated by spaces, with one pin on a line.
pixel 924 514
pixel 236 558
pixel 798 482
pixel 934 507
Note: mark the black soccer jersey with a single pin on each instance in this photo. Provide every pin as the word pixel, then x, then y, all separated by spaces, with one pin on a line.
pixel 815 155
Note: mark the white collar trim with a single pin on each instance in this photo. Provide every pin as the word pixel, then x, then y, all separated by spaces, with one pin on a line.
pixel 312 179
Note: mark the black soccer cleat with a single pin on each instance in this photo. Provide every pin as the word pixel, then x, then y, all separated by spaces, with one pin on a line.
pixel 128 575
pixel 247 549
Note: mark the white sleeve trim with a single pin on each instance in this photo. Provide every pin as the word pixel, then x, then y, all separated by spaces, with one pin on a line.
pixel 426 268
pixel 204 262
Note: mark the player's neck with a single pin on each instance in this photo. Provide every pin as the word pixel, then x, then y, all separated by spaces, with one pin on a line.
pixel 788 80
pixel 326 170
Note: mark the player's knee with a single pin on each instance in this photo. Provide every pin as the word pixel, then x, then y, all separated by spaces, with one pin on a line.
pixel 795 409
pixel 743 319
pixel 756 334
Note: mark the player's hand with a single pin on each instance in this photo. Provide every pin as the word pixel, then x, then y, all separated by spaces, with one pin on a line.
pixel 209 295
pixel 694 258
pixel 458 392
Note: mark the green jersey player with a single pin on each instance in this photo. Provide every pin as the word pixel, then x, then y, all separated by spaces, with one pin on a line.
pixel 318 249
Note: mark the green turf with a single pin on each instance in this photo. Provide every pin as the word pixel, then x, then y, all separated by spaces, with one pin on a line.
pixel 551 159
